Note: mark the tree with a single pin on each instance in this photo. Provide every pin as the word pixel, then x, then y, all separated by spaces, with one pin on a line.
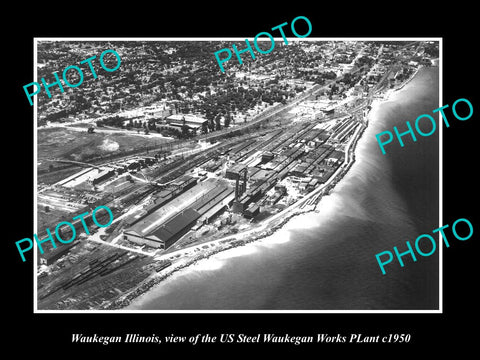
pixel 218 126
pixel 227 120
pixel 211 125
pixel 185 132
pixel 347 78
pixel 205 127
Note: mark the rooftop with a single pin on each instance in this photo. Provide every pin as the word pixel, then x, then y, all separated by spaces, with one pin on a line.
pixel 174 225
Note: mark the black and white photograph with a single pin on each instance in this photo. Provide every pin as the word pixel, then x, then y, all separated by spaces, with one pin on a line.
pixel 217 180
pixel 262 187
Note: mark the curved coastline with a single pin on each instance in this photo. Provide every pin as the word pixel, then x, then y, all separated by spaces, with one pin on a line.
pixel 151 283
pixel 146 286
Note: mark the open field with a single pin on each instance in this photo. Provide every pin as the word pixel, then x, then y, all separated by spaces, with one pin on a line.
pixel 67 144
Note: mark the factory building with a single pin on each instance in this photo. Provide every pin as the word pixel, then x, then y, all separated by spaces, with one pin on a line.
pixel 192 122
pixel 102 176
pixel 172 230
pixel 165 235
pixel 299 170
pixel 252 211
pixel 163 222
pixel 118 168
pixel 184 182
pixel 132 164
pixel 234 172
pixel 175 189
pixel 149 160
pixel 267 156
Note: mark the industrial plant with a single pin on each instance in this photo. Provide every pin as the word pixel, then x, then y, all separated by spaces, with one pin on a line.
pixel 185 180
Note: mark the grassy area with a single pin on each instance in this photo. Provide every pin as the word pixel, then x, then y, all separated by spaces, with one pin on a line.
pixel 69 144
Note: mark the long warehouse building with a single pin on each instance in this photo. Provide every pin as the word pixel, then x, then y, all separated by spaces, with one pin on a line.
pixel 167 224
pixel 167 234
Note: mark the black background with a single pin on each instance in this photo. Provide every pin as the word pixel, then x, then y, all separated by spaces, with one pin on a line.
pixel 51 333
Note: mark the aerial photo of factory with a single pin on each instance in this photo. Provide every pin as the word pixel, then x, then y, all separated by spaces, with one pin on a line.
pixel 192 161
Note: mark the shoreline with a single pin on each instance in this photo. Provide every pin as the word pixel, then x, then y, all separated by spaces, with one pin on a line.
pixel 233 242
pixel 146 286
